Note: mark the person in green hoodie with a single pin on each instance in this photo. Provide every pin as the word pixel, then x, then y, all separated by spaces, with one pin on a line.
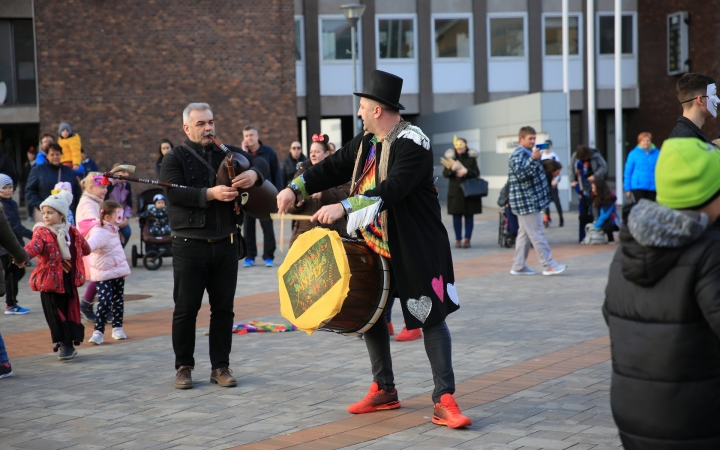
pixel 662 305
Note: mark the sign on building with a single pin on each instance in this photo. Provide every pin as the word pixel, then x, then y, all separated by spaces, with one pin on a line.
pixel 678 43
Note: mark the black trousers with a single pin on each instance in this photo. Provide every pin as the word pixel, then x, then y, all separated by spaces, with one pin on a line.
pixel 199 266
pixel 438 347
pixel 555 195
pixel 268 237
pixel 13 274
pixel 55 307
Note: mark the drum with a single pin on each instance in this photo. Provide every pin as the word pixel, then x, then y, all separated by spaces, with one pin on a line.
pixel 332 284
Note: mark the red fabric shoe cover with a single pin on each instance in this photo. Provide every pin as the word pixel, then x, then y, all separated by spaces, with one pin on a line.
pixel 409 335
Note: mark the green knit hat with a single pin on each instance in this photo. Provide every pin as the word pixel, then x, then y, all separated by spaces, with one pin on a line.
pixel 687 174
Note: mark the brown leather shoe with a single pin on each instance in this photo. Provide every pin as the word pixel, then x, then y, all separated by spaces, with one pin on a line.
pixel 223 377
pixel 466 244
pixel 183 379
pixel 458 244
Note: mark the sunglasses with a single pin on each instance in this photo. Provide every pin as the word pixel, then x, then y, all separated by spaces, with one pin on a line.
pixel 296 147
pixel 318 138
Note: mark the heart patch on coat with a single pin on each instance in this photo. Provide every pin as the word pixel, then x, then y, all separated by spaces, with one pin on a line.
pixel 452 293
pixel 437 285
pixel 420 308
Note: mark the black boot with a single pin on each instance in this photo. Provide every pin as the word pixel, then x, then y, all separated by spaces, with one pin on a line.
pixel 67 351
pixel 86 309
pixel 562 222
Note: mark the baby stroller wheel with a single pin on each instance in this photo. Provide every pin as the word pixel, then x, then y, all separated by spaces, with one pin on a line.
pixel 134 255
pixel 152 260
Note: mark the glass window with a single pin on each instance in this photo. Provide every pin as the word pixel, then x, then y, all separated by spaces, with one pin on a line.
pixel 6 62
pixel 25 61
pixel 336 39
pixel 607 35
pixel 298 40
pixel 507 36
pixel 452 38
pixel 553 35
pixel 395 38
pixel 17 61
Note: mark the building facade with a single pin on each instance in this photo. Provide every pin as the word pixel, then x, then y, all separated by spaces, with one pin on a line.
pixel 121 73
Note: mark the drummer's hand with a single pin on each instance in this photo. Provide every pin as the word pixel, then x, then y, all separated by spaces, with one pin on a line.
pixel 285 200
pixel 245 180
pixel 222 193
pixel 329 214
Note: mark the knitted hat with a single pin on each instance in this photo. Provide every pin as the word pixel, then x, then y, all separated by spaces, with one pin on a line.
pixel 64 126
pixel 60 202
pixel 156 198
pixel 5 180
pixel 686 175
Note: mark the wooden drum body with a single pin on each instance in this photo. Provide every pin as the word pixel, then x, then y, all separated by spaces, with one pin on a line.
pixel 333 284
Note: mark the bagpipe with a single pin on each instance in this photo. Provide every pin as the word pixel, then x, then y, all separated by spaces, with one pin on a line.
pixel 258 201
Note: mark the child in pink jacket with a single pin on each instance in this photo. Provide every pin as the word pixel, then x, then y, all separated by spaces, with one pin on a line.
pixel 108 269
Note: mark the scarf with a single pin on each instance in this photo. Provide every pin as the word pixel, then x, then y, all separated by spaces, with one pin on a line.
pixel 62 233
pixel 382 167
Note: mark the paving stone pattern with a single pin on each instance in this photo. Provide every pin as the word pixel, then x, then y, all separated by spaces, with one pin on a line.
pixel 122 396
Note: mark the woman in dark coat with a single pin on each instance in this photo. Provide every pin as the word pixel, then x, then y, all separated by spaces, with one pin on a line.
pixel 292 162
pixel 458 205
pixel 318 151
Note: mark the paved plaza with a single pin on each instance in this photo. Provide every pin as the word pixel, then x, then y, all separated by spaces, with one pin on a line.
pixel 531 358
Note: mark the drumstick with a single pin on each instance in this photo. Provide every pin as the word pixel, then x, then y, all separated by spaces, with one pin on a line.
pixel 282 232
pixel 290 216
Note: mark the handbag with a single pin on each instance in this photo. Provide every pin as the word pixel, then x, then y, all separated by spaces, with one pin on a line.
pixel 474 187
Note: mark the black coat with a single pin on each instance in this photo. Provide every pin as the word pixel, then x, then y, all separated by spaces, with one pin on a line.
pixel 42 180
pixel 7 166
pixel 275 174
pixel 290 166
pixel 456 201
pixel 191 214
pixel 685 128
pixel 662 305
pixel 10 244
pixel 417 238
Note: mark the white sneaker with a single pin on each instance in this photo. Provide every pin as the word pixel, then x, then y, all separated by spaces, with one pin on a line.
pixel 118 333
pixel 96 338
pixel 557 270
pixel 524 271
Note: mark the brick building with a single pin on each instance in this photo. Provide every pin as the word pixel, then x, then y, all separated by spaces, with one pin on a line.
pixel 659 108
pixel 121 73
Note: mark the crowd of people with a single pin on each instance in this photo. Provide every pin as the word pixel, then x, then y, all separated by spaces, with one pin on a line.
pixel 661 297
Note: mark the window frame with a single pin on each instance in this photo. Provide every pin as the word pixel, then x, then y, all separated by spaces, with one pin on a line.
pixel 471 49
pixel 378 18
pixel 507 15
pixel 359 41
pixel 581 42
pixel 634 52
pixel 300 22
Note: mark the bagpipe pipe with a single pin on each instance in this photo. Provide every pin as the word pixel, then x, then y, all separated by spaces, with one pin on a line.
pixel 258 201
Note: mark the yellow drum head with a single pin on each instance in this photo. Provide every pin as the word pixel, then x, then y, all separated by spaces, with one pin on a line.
pixel 314 279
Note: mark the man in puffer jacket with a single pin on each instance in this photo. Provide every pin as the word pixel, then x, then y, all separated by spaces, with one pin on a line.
pixel 662 305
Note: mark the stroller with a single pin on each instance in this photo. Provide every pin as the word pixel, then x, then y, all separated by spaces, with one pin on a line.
pixel 155 246
pixel 508 224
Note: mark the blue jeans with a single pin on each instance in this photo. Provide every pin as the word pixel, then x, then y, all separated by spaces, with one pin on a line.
pixel 126 232
pixel 457 224
pixel 3 352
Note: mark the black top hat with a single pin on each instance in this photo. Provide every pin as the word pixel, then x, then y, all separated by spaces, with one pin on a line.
pixel 383 87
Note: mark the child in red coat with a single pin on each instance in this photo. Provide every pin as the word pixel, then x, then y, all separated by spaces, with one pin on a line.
pixel 58 247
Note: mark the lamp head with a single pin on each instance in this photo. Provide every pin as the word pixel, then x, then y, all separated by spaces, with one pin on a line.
pixel 353 12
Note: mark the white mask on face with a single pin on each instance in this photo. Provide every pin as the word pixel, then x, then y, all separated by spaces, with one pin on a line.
pixel 712 99
pixel 119 216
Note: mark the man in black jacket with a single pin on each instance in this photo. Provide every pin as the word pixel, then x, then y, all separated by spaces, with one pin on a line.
pixel 205 242
pixel 252 144
pixel 697 104
pixel 44 177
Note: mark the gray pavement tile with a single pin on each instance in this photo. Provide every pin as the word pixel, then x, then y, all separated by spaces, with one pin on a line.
pixel 530 441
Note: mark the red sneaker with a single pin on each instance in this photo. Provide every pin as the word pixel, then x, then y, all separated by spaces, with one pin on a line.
pixel 409 335
pixel 391 329
pixel 376 400
pixel 448 413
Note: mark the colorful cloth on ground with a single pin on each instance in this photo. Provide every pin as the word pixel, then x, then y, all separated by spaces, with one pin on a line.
pixel 262 327
pixel 372 234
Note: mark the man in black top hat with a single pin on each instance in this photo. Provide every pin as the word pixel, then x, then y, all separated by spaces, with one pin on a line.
pixel 392 162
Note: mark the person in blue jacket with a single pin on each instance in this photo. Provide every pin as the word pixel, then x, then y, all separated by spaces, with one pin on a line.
pixel 639 178
pixel 604 210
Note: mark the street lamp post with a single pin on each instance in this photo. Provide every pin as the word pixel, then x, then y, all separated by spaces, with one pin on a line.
pixel 353 12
